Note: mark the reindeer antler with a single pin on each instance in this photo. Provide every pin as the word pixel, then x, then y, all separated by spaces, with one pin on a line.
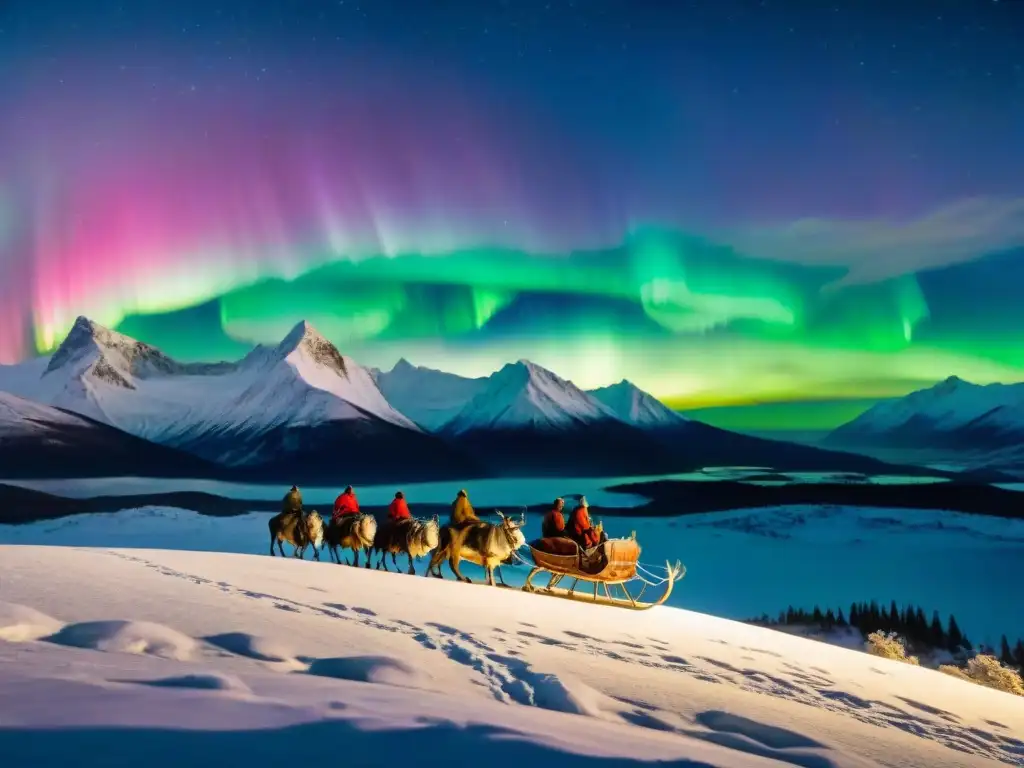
pixel 499 513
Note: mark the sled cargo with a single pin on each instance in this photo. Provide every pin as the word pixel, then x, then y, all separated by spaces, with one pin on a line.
pixel 613 563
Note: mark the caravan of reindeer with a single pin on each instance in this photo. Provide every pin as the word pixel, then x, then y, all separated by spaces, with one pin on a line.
pixel 613 562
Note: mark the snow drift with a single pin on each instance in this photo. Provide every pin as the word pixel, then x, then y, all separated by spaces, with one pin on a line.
pixel 391 665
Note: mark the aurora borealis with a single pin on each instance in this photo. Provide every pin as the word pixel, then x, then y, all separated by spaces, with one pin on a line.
pixel 726 202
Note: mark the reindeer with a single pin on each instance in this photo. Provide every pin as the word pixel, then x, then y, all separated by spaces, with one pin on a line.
pixel 489 543
pixel 299 532
pixel 412 537
pixel 355 532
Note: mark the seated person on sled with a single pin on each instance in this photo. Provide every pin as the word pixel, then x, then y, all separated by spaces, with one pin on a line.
pixel 345 504
pixel 553 525
pixel 582 531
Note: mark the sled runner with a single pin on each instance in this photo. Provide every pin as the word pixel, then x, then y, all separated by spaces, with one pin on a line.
pixel 611 563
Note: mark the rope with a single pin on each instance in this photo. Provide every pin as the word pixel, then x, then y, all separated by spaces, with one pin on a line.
pixel 518 558
pixel 657 581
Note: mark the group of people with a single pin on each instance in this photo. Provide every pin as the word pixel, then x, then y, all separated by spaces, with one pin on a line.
pixel 348 504
pixel 579 527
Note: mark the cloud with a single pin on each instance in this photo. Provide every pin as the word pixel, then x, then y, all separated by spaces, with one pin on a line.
pixel 876 249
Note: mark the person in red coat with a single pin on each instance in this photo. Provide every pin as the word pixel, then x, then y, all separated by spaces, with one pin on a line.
pixel 583 530
pixel 346 504
pixel 554 521
pixel 399 509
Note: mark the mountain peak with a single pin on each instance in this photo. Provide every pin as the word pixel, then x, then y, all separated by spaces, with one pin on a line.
pixel 623 386
pixel 301 331
pixel 524 370
pixel 94 350
pixel 110 354
pixel 85 332
pixel 403 365
pixel 634 406
pixel 951 385
pixel 525 395
pixel 304 339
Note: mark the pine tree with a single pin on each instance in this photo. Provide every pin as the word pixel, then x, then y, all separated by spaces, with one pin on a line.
pixel 817 617
pixel 840 619
pixel 921 623
pixel 830 619
pixel 874 620
pixel 854 616
pixel 1018 653
pixel 954 637
pixel 790 615
pixel 936 637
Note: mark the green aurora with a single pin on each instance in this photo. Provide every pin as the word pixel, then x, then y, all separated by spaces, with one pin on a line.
pixel 750 343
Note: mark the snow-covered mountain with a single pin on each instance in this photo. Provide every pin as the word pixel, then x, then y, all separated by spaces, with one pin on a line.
pixel 526 420
pixel 429 397
pixel 953 414
pixel 38 440
pixel 524 395
pixel 300 405
pixel 434 399
pixel 632 405
pixel 303 412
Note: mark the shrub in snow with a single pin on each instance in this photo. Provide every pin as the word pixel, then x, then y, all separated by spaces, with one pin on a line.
pixel 890 646
pixel 986 670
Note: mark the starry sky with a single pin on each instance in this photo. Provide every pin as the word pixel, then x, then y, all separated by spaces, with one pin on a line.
pixel 777 211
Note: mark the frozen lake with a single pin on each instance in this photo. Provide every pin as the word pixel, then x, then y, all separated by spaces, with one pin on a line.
pixel 740 564
pixel 508 493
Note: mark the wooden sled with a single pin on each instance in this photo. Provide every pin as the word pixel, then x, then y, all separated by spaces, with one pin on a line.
pixel 610 564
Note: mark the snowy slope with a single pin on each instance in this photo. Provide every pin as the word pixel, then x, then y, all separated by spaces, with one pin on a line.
pixel 523 395
pixel 429 397
pixel 801 555
pixel 210 655
pixel 41 441
pixel 940 412
pixel 632 405
pixel 23 418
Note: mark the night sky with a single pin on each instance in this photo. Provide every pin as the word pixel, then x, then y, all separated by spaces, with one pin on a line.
pixel 727 202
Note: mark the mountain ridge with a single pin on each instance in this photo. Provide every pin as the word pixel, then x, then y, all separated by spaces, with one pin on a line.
pixel 38 440
pixel 303 409
pixel 951 414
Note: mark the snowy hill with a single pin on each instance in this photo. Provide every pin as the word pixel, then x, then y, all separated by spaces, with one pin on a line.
pixel 429 397
pixel 632 405
pixel 210 655
pixel 300 407
pixel 40 441
pixel 953 414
